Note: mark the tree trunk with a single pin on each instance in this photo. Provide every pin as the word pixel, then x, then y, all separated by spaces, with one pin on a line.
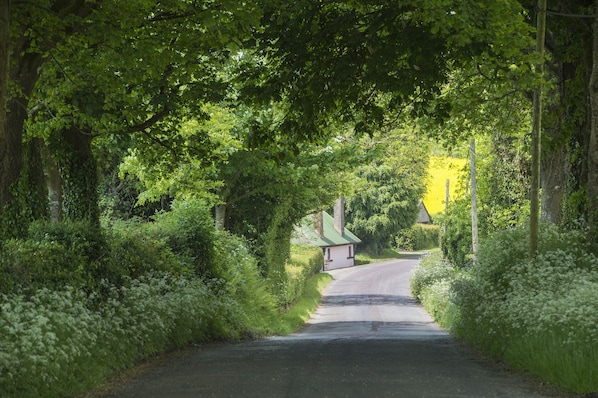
pixel 54 183
pixel 23 73
pixel 4 60
pixel 11 145
pixel 553 179
pixel 536 133
pixel 592 184
pixel 220 216
pixel 78 170
pixel 37 197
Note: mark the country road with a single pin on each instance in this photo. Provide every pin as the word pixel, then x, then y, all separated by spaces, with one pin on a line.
pixel 368 338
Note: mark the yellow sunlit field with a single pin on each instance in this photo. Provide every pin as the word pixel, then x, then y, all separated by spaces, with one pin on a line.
pixel 440 169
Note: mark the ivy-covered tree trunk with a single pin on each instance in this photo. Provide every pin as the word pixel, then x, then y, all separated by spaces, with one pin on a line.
pixel 37 189
pixel 4 60
pixel 553 180
pixel 28 46
pixel 71 149
pixel 54 183
pixel 592 186
pixel 11 145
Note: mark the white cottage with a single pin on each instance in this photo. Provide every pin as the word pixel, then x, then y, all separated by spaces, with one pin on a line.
pixel 329 233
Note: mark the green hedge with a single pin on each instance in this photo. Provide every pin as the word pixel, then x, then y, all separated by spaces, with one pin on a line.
pixel 303 263
pixel 418 237
pixel 539 315
pixel 77 304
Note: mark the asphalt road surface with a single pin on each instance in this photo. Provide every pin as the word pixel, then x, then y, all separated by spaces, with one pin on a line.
pixel 369 338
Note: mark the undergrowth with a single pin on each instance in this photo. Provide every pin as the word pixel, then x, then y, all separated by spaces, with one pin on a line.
pixel 540 315
pixel 69 322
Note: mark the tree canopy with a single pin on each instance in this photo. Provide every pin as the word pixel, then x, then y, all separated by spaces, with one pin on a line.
pixel 262 103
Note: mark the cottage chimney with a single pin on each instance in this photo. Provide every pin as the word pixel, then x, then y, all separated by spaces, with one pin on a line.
pixel 319 223
pixel 339 215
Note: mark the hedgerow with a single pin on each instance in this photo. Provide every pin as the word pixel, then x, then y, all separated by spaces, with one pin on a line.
pixel 71 315
pixel 539 315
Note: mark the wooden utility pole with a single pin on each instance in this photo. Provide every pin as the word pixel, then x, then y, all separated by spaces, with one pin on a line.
pixel 447 196
pixel 536 132
pixel 474 201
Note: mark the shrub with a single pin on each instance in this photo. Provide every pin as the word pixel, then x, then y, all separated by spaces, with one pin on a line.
pixel 188 229
pixel 59 343
pixel 29 265
pixel 80 237
pixel 527 311
pixel 137 253
pixel 430 283
pixel 430 270
pixel 303 263
pixel 418 237
pixel 241 278
pixel 455 241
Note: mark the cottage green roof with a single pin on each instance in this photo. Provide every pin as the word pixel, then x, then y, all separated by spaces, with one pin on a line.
pixel 306 233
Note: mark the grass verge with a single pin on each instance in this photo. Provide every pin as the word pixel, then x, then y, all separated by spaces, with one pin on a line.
pixel 294 318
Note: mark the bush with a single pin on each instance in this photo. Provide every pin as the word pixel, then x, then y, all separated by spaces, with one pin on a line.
pixel 80 237
pixel 430 284
pixel 455 241
pixel 136 253
pixel 527 311
pixel 241 278
pixel 418 237
pixel 303 263
pixel 430 270
pixel 26 266
pixel 188 230
pixel 59 343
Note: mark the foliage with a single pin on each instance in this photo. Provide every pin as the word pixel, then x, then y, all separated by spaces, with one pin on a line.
pixel 188 230
pixel 363 51
pixel 55 344
pixel 302 264
pixel 455 239
pixel 33 265
pixel 61 340
pixel 300 312
pixel 391 188
pixel 364 257
pixel 242 280
pixel 136 253
pixel 429 271
pixel 54 255
pixel 418 237
pixel 532 312
pixel 503 167
pixel 430 284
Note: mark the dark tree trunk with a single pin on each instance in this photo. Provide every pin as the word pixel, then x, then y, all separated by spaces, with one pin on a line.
pixel 553 179
pixel 23 73
pixel 4 60
pixel 11 144
pixel 37 197
pixel 54 183
pixel 78 170
pixel 592 185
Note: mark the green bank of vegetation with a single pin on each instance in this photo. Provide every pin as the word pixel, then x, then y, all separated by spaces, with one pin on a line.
pixel 155 157
pixel 80 304
pixel 537 315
